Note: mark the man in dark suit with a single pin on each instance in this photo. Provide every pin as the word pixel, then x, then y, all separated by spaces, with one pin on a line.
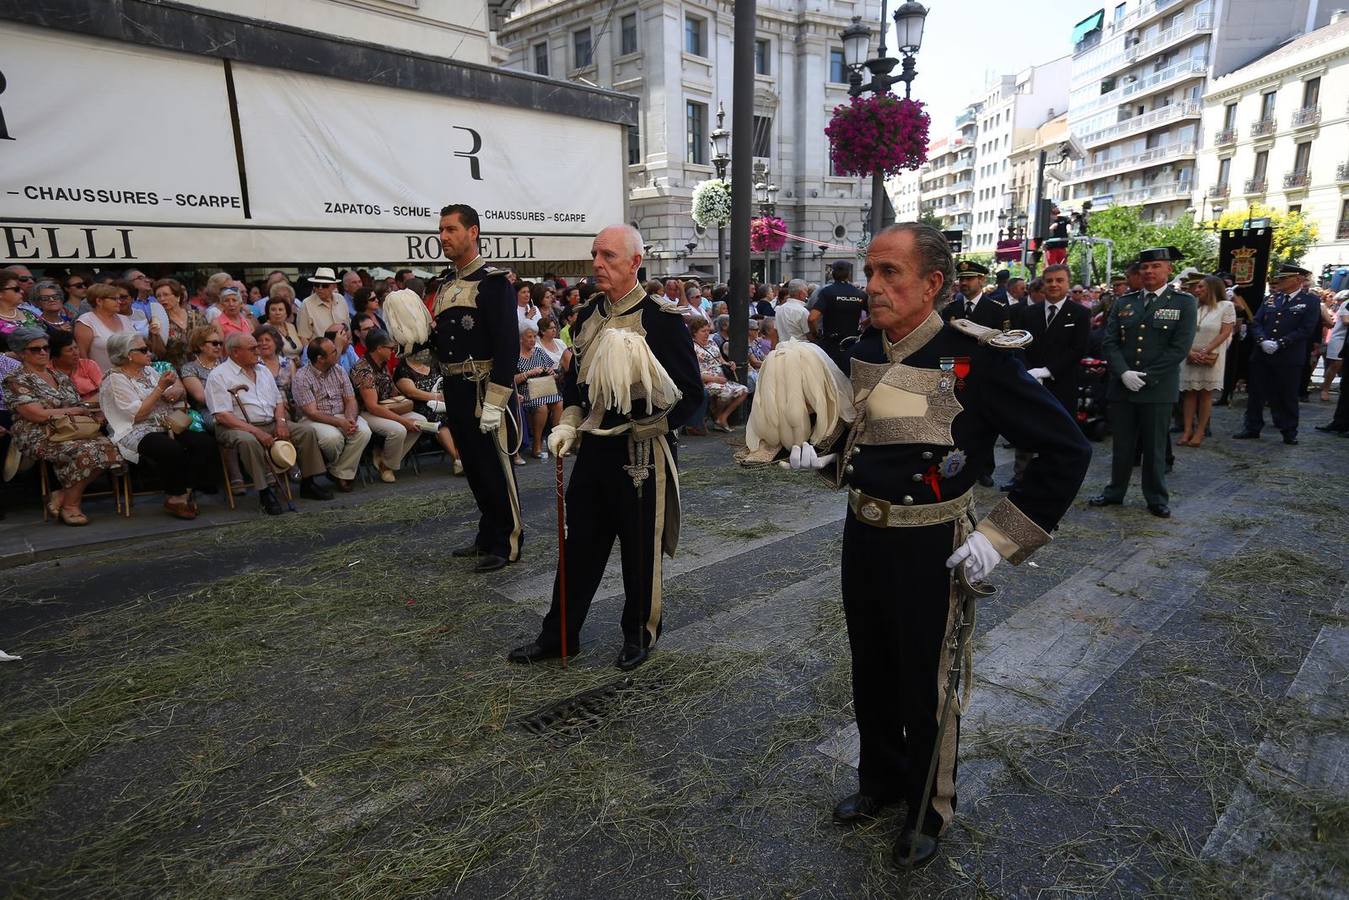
pixel 1282 328
pixel 1061 330
pixel 972 303
pixel 999 292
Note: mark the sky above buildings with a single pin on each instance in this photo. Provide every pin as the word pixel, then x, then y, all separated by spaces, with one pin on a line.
pixel 968 42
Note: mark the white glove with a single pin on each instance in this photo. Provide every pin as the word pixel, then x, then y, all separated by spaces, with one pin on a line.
pixel 1133 380
pixel 978 556
pixel 561 439
pixel 490 419
pixel 1269 346
pixel 804 457
pixel 1039 374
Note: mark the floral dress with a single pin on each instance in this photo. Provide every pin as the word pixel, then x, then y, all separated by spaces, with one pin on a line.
pixel 709 361
pixel 175 344
pixel 366 375
pixel 421 382
pixel 539 359
pixel 22 319
pixel 74 461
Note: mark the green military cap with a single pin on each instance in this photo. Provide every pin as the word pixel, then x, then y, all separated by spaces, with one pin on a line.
pixel 1117 278
pixel 968 267
pixel 1160 254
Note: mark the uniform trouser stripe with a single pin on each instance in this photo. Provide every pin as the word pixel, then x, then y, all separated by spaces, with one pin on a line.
pixel 499 439
pixel 658 461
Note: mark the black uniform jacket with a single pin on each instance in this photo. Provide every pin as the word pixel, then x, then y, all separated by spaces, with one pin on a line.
pixel 666 334
pixel 927 434
pixel 476 320
pixel 1291 321
pixel 1059 347
pixel 988 312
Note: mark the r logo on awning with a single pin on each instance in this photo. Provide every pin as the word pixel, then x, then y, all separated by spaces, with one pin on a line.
pixel 471 155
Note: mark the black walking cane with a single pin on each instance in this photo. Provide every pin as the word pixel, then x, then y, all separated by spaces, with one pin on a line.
pixel 969 593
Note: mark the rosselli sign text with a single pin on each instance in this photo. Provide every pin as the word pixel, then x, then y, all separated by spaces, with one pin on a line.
pixel 298 170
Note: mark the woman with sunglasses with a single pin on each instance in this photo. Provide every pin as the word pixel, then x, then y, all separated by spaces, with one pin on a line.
pixel 137 402
pixel 207 348
pixel 36 394
pixel 76 287
pixel 12 315
pixel 83 373
pixel 45 296
pixel 93 329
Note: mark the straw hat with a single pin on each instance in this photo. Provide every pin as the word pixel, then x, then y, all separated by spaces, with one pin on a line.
pixel 283 455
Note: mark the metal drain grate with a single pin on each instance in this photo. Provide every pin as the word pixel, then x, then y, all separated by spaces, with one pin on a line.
pixel 572 717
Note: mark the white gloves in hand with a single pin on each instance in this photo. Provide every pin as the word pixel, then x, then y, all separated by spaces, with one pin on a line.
pixel 1039 373
pixel 804 457
pixel 1269 346
pixel 1133 380
pixel 490 420
pixel 977 554
pixel 562 439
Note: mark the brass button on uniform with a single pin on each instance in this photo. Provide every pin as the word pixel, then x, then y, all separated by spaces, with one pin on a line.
pixel 917 476
pixel 847 470
pixel 906 500
pixel 927 455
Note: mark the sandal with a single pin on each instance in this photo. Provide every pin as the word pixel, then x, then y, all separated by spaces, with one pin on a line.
pixel 182 509
pixel 73 519
pixel 717 426
pixel 54 504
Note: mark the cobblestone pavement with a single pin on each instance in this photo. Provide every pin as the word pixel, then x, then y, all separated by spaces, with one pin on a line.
pixel 319 704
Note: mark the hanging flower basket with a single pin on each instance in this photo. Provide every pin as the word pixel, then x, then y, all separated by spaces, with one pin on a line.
pixel 878 134
pixel 767 234
pixel 711 203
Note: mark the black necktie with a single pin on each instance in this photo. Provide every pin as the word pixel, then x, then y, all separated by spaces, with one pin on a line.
pixel 969 307
pixel 1148 298
pixel 1049 319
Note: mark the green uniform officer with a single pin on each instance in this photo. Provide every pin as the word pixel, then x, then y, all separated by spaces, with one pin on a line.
pixel 1147 337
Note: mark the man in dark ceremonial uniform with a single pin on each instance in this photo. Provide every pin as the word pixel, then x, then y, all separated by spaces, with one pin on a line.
pixel 625 484
pixel 477 339
pixel 836 312
pixel 1281 330
pixel 931 399
pixel 972 303
pixel 1147 337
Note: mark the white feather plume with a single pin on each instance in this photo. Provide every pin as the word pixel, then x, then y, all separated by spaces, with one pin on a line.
pixel 797 380
pixel 620 367
pixel 408 320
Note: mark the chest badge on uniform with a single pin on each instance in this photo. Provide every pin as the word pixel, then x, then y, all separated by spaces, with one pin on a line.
pixel 467 323
pixel 952 463
pixel 947 379
pixel 871 512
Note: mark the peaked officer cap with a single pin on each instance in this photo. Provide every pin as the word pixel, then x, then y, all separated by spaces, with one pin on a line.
pixel 967 267
pixel 1160 254
pixel 1289 269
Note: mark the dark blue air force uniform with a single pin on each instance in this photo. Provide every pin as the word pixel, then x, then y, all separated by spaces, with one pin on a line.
pixel 1291 321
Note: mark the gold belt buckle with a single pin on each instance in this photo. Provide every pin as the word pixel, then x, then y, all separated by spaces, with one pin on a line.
pixel 874 512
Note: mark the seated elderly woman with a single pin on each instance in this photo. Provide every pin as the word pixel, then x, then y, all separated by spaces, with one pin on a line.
pixel 139 404
pixel 387 413
pixel 725 395
pixel 41 399
pixel 83 373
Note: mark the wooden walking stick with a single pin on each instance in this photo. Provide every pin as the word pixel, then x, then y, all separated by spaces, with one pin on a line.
pixel 561 559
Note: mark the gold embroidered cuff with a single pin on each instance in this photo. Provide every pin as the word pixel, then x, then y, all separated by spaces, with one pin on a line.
pixel 1011 532
pixel 572 416
pixel 497 395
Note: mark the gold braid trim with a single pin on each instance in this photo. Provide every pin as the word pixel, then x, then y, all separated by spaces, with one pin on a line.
pixel 1011 532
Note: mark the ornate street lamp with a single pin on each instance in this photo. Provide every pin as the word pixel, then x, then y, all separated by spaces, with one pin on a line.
pixel 721 158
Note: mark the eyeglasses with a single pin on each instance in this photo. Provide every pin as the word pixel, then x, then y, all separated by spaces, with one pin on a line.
pixel 25 277
pixel 215 343
pixel 43 349
pixel 123 296
pixel 10 287
pixel 138 349
pixel 47 297
pixel 75 285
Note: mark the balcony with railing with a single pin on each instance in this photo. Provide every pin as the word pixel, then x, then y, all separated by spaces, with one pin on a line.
pixel 1155 119
pixel 1143 12
pixel 1306 117
pixel 962 164
pixel 1180 31
pixel 1262 127
pixel 1189 68
pixel 1219 190
pixel 1154 193
pixel 1255 185
pixel 962 186
pixel 1225 136
pixel 1134 161
pixel 1342 172
pixel 1294 180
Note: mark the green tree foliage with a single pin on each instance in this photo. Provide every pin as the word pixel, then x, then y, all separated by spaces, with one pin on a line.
pixel 1294 233
pixel 1131 234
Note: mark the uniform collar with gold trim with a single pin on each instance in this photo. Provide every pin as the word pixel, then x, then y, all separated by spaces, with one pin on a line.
pixel 477 263
pixel 627 302
pixel 914 340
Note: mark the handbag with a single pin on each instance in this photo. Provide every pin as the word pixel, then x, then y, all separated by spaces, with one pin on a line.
pixel 399 405
pixel 72 428
pixel 540 386
pixel 176 421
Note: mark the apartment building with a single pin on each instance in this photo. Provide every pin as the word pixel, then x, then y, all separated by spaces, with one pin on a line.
pixel 1277 134
pixel 676 57
pixel 1139 73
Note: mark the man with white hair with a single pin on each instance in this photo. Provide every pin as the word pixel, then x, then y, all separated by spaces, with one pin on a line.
pixel 791 315
pixel 633 380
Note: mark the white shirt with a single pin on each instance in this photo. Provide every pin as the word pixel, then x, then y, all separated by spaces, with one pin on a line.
pixel 792 319
pixel 259 401
pixel 1057 307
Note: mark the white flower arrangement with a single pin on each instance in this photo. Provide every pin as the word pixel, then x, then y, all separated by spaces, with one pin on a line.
pixel 712 203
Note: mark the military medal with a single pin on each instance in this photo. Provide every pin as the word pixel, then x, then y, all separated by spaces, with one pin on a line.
pixel 962 368
pixel 932 478
pixel 945 381
pixel 467 323
pixel 952 463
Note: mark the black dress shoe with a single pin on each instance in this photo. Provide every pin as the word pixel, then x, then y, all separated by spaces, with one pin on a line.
pixel 312 490
pixel 1103 500
pixel 532 653
pixel 1329 428
pixel 857 808
pixel 270 505
pixel 913 849
pixel 1160 510
pixel 489 563
pixel 631 657
pixel 1245 435
pixel 468 552
pixel 1290 440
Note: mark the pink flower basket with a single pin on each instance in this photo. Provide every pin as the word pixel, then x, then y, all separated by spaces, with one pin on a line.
pixel 878 134
pixel 767 234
